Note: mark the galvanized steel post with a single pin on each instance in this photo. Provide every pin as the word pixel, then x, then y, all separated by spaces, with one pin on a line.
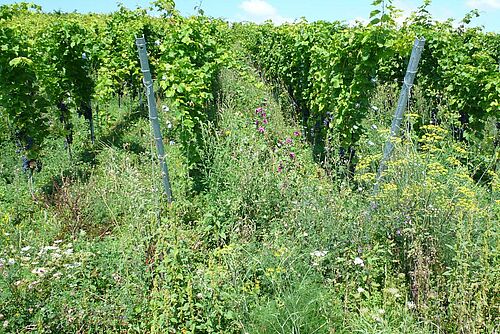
pixel 411 71
pixel 153 114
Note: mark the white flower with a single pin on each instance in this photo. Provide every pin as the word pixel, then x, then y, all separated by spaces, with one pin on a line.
pixel 39 271
pixel 48 248
pixel 172 143
pixel 25 249
pixel 32 284
pixel 410 305
pixel 361 290
pixel 358 261
pixel 319 253
pixel 374 127
pixel 157 42
pixel 18 283
pixel 5 323
pixel 11 261
pixel 165 108
pixel 169 125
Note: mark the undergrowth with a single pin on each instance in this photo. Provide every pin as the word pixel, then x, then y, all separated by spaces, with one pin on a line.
pixel 271 243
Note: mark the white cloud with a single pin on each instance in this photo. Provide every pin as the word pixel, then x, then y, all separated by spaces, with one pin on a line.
pixel 260 10
pixel 484 4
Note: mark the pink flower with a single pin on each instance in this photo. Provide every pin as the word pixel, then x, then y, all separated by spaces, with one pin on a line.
pixel 265 121
pixel 292 155
pixel 296 133
pixel 258 110
pixel 264 115
pixel 289 140
pixel 261 129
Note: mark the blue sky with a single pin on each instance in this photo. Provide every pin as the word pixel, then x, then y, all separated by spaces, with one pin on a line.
pixel 289 10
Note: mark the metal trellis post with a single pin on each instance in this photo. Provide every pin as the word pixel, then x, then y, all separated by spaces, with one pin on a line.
pixel 411 71
pixel 153 114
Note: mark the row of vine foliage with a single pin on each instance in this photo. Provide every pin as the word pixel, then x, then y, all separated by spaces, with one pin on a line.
pixel 54 66
pixel 331 70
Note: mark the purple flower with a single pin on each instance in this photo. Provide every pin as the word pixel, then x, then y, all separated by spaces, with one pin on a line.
pixel 261 129
pixel 289 141
pixel 257 123
pixel 264 115
pixel 292 155
pixel 258 110
pixel 296 133
pixel 265 121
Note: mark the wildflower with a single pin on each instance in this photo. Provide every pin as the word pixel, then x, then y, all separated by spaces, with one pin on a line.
pixel 257 123
pixel 25 249
pixel 264 115
pixel 33 284
pixel 17 283
pixel 361 290
pixel 319 253
pixel 169 125
pixel 410 305
pixel 6 324
pixel 157 42
pixel 289 141
pixel 359 262
pixel 172 143
pixel 265 121
pixel 292 155
pixel 296 134
pixel 39 271
pixel 165 108
pixel 261 129
pixel 374 127
pixel 11 262
pixel 258 110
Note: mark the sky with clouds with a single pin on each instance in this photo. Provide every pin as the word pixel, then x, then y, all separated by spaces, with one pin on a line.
pixel 289 10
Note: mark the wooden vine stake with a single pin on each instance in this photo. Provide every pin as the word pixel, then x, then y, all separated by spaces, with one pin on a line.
pixel 153 115
pixel 411 71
